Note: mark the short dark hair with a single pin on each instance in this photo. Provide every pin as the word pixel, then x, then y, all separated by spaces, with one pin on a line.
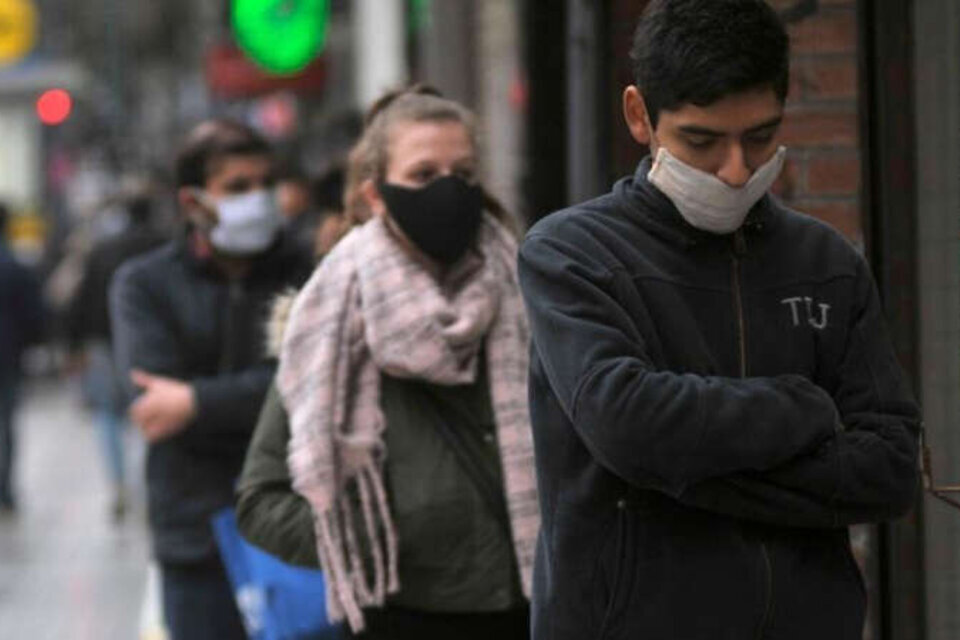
pixel 699 51
pixel 210 142
pixel 4 219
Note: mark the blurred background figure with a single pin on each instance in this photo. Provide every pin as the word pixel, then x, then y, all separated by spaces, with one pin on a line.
pixel 327 189
pixel 293 194
pixel 313 207
pixel 296 206
pixel 21 322
pixel 87 328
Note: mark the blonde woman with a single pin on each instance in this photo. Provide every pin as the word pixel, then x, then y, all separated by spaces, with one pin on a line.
pixel 399 416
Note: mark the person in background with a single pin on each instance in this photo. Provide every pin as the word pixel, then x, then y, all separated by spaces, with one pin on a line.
pixel 188 323
pixel 394 450
pixel 87 327
pixel 714 393
pixel 328 189
pixel 21 324
pixel 295 200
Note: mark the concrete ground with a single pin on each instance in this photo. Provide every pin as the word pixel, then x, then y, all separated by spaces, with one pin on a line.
pixel 67 570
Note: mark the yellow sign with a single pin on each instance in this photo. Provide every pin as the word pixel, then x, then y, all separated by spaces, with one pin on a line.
pixel 18 29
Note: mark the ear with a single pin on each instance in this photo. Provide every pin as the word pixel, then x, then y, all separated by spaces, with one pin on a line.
pixel 187 199
pixel 193 208
pixel 370 194
pixel 635 113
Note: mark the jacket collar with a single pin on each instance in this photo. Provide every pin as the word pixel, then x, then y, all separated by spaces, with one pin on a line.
pixel 197 254
pixel 653 210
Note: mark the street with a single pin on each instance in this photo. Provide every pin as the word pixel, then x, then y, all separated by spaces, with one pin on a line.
pixel 66 569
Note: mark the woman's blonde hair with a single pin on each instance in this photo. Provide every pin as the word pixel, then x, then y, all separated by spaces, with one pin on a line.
pixel 355 208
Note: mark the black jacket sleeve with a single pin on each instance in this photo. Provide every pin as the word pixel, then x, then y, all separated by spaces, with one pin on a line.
pixel 227 402
pixel 141 337
pixel 866 473
pixel 655 429
pixel 144 338
pixel 270 513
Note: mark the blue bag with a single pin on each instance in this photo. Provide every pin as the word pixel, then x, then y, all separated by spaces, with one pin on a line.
pixel 278 601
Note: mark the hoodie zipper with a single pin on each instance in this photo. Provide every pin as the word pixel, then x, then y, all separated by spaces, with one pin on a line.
pixel 768 573
pixel 227 345
pixel 739 250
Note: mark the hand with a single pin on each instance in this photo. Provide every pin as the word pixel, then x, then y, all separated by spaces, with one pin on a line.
pixel 165 407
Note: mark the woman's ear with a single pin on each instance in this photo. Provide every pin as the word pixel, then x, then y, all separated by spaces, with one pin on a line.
pixel 635 113
pixel 371 195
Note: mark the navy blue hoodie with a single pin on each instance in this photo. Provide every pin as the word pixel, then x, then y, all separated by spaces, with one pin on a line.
pixel 709 414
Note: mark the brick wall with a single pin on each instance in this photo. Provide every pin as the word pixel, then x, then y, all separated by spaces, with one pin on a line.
pixel 823 173
pixel 822 124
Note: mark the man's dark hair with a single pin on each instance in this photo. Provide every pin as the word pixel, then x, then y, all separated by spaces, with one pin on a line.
pixel 4 218
pixel 699 51
pixel 209 143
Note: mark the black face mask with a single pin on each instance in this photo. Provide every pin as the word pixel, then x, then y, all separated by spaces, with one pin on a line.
pixel 442 218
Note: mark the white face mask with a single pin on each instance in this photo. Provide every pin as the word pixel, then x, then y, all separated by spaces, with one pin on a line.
pixel 247 223
pixel 705 201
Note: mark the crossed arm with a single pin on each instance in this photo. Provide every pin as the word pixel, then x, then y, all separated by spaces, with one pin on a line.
pixel 775 449
pixel 174 400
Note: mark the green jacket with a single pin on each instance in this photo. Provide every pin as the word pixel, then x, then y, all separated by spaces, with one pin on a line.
pixel 455 554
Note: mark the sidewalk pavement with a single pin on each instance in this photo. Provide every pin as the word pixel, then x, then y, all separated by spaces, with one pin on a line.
pixel 67 571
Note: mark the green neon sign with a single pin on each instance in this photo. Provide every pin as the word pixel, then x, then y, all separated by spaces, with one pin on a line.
pixel 281 36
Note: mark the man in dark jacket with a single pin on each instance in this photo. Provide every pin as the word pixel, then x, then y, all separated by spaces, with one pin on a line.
pixel 188 323
pixel 89 336
pixel 21 320
pixel 713 393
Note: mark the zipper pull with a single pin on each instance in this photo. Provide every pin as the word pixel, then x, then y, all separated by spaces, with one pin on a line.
pixel 739 242
pixel 235 290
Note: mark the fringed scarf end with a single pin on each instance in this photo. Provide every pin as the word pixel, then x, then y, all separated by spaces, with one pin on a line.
pixel 344 568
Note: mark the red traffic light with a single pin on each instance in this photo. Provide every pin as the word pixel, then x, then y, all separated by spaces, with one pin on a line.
pixel 54 106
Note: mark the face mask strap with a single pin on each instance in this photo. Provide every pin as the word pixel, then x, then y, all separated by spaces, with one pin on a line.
pixel 204 214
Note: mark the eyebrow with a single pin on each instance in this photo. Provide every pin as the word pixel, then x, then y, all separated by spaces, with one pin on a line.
pixel 237 183
pixel 433 163
pixel 696 130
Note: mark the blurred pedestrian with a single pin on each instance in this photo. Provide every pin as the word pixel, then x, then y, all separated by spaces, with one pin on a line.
pixel 21 324
pixel 300 212
pixel 327 189
pixel 714 394
pixel 394 450
pixel 89 337
pixel 188 322
pixel 294 199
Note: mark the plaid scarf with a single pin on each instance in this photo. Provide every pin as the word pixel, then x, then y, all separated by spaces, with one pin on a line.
pixel 368 308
